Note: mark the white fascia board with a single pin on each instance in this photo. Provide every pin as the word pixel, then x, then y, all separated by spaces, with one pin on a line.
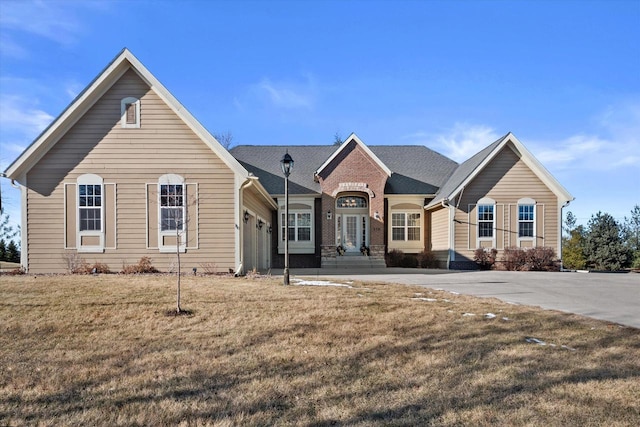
pixel 78 107
pixel 479 168
pixel 536 167
pixel 93 93
pixel 362 145
pixel 186 116
pixel 263 192
pixel 541 172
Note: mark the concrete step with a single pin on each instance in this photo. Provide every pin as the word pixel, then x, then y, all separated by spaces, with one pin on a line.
pixel 353 262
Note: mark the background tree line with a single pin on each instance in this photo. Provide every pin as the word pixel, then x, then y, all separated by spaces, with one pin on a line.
pixel 9 239
pixel 604 244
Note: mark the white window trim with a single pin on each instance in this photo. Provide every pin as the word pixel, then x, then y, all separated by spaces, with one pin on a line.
pixel 123 112
pixel 90 179
pixel 172 179
pixel 526 202
pixel 297 247
pixel 406 245
pixel 486 201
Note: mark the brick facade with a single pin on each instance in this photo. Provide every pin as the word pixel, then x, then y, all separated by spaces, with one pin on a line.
pixel 353 171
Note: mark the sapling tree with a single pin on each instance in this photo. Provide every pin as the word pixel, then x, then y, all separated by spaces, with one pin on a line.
pixel 175 207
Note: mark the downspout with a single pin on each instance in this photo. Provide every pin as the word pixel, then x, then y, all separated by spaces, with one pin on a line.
pixel 560 226
pixel 248 183
pixel 445 204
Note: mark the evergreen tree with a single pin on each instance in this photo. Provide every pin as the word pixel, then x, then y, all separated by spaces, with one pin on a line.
pixel 631 235
pixel 13 253
pixel 603 244
pixel 7 232
pixel 3 250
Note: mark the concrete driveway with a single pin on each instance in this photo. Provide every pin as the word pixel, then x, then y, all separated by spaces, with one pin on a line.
pixel 614 297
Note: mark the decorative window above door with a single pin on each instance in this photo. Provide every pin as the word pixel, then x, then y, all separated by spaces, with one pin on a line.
pixel 351 202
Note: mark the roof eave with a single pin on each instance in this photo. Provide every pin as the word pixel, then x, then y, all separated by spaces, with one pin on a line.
pixel 78 107
pixel 362 145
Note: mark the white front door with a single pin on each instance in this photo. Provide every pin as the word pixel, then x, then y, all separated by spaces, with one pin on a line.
pixel 351 233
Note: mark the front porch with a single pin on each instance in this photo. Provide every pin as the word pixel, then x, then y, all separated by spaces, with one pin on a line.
pixel 352 260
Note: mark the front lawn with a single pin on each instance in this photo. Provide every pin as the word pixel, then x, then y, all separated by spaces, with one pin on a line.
pixel 101 350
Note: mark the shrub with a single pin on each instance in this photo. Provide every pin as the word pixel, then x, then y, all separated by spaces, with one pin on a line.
pixel 409 261
pixel 143 266
pixel 485 258
pixel 74 262
pixel 95 268
pixel 513 259
pixel 529 259
pixel 394 258
pixel 541 259
pixel 427 259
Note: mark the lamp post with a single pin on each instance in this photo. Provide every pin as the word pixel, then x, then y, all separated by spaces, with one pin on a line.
pixel 287 164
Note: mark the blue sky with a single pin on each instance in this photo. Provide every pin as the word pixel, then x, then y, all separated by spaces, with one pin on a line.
pixel 563 76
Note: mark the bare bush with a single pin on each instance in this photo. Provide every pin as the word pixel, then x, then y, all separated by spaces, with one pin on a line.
pixel 144 266
pixel 74 262
pixel 427 259
pixel 529 259
pixel 485 258
pixel 209 268
pixel 394 258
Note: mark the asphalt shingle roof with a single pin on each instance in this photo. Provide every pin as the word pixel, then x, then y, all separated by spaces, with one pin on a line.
pixel 416 169
pixel 463 171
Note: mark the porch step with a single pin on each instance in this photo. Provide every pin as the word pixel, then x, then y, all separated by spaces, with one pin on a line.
pixel 353 262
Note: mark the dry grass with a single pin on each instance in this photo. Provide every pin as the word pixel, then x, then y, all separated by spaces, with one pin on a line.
pixel 100 350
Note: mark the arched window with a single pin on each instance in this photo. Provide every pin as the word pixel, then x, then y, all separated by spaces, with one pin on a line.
pixel 346 202
pixel 171 192
pixel 486 218
pixel 526 218
pixel 90 203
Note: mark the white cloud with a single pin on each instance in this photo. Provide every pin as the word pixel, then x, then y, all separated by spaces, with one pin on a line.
pixel 460 142
pixel 58 21
pixel 19 118
pixel 45 19
pixel 614 144
pixel 289 95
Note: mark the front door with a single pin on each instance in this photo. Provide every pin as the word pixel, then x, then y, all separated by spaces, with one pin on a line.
pixel 351 233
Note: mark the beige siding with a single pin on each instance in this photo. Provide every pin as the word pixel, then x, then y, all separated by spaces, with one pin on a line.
pixel 506 180
pixel 131 159
pixel 440 229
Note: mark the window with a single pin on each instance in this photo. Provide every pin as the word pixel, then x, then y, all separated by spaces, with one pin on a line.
pixel 526 215
pixel 485 221
pixel 130 112
pixel 171 207
pixel 299 226
pixel 90 207
pixel 405 226
pixel 351 202
pixel 89 227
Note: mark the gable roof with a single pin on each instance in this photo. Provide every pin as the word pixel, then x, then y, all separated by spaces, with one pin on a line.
pixel 415 168
pixel 468 170
pixel 354 137
pixel 91 94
